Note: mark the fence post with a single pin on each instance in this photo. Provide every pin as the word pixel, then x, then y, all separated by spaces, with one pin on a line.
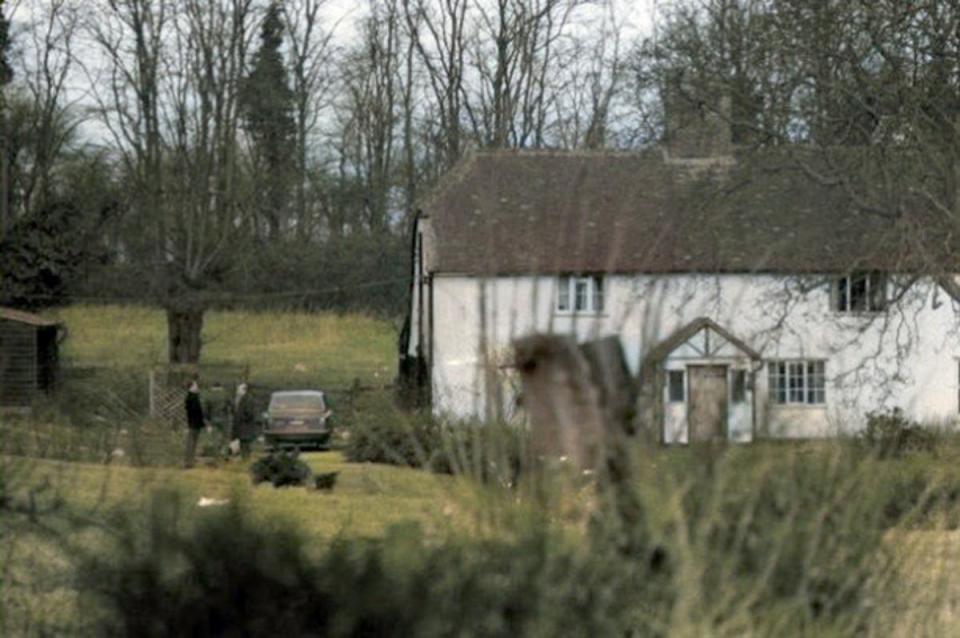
pixel 566 415
pixel 152 394
pixel 618 400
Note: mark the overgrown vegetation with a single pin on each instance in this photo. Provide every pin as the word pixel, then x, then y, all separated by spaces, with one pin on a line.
pixel 133 440
pixel 761 540
pixel 776 541
pixel 891 434
pixel 386 434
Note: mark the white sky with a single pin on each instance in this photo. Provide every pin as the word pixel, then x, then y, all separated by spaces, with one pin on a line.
pixel 636 17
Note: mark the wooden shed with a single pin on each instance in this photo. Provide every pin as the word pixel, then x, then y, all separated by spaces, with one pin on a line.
pixel 29 354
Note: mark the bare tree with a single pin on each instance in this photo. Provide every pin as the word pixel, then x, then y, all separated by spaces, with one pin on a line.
pixel 522 39
pixel 46 119
pixel 370 112
pixel 129 35
pixel 174 70
pixel 588 100
pixel 440 35
pixel 310 54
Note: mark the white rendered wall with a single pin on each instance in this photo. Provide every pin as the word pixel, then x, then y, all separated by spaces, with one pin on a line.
pixel 907 357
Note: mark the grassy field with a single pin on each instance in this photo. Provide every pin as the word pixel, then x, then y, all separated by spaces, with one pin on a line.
pixel 293 349
pixel 366 500
pixel 36 592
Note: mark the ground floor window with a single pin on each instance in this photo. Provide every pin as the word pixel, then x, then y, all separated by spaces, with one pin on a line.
pixel 797 382
pixel 738 392
pixel 675 385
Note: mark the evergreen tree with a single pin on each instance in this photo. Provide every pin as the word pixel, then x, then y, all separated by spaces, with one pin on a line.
pixel 6 74
pixel 268 112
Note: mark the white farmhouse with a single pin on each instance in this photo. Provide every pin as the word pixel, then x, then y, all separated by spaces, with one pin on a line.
pixel 751 302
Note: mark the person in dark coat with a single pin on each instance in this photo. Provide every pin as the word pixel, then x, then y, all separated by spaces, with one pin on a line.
pixel 195 422
pixel 244 420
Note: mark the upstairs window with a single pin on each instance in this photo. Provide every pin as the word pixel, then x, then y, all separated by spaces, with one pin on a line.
pixel 580 294
pixel 797 382
pixel 860 292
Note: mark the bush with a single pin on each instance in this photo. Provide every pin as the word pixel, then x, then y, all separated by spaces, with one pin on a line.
pixel 281 469
pixel 890 434
pixel 489 452
pixel 224 574
pixel 389 436
pixel 731 542
pixel 747 536
pixel 325 481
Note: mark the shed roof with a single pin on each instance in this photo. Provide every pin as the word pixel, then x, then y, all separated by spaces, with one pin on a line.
pixel 527 212
pixel 20 316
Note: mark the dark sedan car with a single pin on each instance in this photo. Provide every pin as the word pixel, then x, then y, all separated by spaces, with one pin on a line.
pixel 297 419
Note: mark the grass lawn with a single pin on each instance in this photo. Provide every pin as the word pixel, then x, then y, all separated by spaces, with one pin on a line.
pixel 36 589
pixel 366 500
pixel 295 349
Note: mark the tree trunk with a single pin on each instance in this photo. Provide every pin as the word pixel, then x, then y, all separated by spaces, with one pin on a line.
pixel 184 328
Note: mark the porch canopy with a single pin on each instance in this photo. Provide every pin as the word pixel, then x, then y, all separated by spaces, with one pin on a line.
pixel 702 338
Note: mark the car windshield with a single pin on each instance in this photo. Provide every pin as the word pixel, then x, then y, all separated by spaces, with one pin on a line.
pixel 296 402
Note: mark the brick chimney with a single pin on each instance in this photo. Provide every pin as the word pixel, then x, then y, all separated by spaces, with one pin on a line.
pixel 697 121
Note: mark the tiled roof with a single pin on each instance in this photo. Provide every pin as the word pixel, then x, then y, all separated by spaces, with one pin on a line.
pixel 527 212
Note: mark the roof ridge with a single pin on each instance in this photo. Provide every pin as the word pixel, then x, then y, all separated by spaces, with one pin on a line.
pixel 647 152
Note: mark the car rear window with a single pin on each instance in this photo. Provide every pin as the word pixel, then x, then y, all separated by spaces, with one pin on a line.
pixel 297 402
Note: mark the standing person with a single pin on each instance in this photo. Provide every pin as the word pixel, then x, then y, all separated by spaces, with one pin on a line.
pixel 244 420
pixel 194 422
pixel 218 409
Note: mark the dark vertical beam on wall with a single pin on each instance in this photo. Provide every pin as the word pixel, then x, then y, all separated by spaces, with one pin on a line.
pixel 755 368
pixel 430 332
pixel 418 273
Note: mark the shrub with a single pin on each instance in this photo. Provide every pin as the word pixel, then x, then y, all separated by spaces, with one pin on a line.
pixel 224 574
pixel 489 452
pixel 757 541
pixel 325 481
pixel 281 469
pixel 389 436
pixel 745 536
pixel 890 434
